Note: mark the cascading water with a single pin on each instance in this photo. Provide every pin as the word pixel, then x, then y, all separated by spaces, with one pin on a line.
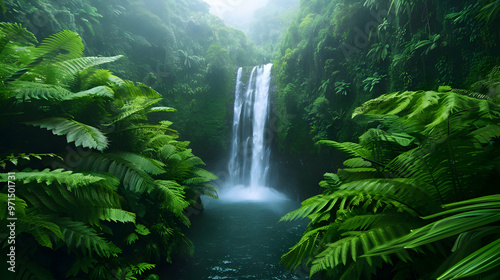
pixel 238 237
pixel 250 153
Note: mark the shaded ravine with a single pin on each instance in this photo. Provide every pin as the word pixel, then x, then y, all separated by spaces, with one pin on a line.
pixel 240 236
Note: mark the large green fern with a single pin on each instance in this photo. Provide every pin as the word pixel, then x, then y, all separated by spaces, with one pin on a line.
pixel 430 148
pixel 472 219
pixel 82 134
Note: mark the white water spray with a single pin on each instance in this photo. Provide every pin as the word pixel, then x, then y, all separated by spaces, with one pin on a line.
pixel 250 153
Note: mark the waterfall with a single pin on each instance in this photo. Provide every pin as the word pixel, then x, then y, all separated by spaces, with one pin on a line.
pixel 250 152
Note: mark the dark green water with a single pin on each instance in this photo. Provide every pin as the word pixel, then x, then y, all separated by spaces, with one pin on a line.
pixel 240 240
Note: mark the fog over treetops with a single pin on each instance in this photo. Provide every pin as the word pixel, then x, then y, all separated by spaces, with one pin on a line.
pixel 240 13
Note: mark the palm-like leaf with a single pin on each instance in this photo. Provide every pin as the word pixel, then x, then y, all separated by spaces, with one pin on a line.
pixel 466 216
pixel 133 176
pixel 82 134
pixel 62 46
pixel 80 237
pixel 75 65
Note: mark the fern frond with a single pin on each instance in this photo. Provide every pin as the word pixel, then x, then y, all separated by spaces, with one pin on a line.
pixel 205 189
pixel 131 238
pixel 172 194
pixel 451 103
pixel 315 204
pixel 64 45
pixel 366 221
pixel 405 191
pixel 15 158
pixel 147 164
pixel 485 134
pixel 355 174
pixel 73 66
pixel 142 267
pixel 304 248
pixel 357 162
pixel 352 149
pixel 375 106
pixel 483 260
pixel 26 91
pixel 476 213
pixel 78 236
pixel 200 172
pixel 82 134
pixel 100 91
pixel 426 100
pixel 108 214
pixel 48 177
pixel 353 245
pixel 132 176
pixel 133 107
pixel 130 91
pixel 332 181
pixel 162 109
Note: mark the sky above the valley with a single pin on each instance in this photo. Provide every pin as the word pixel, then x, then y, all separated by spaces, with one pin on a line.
pixel 236 13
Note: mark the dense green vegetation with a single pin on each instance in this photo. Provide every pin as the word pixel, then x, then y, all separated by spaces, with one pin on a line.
pixel 426 149
pixel 418 195
pixel 339 54
pixel 175 46
pixel 105 188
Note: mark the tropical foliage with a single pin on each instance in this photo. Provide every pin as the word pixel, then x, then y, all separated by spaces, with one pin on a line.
pixel 384 208
pixel 375 46
pixel 183 43
pixel 101 174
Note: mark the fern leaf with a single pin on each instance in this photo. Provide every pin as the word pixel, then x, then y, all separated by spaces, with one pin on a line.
pixel 100 91
pixel 131 91
pixel 426 100
pixel 476 213
pixel 79 236
pixel 132 176
pixel 162 109
pixel 142 229
pixel 48 177
pixel 485 134
pixel 304 248
pixel 485 259
pixel 147 164
pixel 82 134
pixel 404 191
pixel 357 162
pixel 355 244
pixel 25 91
pixel 116 215
pixel 15 158
pixel 315 204
pixel 142 267
pixel 131 238
pixel 451 103
pixel 200 172
pixel 173 195
pixel 73 66
pixel 355 174
pixel 64 45
pixel 133 107
pixel 332 181
pixel 352 149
